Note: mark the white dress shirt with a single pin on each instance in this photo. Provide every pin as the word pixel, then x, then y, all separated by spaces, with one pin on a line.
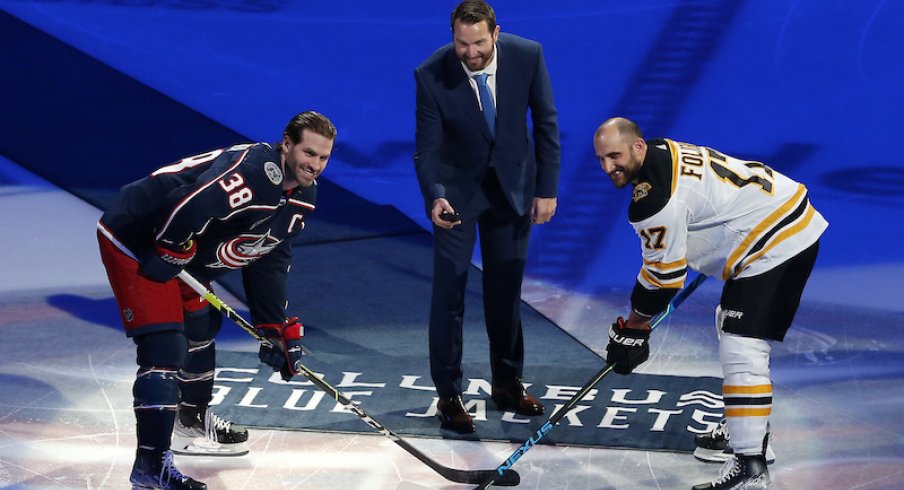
pixel 491 79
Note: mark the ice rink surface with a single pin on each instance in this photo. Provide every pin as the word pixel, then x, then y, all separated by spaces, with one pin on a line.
pixel 65 390
pixel 812 87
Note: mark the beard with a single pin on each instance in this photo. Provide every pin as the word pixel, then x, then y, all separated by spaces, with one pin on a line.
pixel 629 172
pixel 479 63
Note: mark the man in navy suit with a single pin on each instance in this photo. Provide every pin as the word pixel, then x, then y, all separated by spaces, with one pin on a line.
pixel 480 168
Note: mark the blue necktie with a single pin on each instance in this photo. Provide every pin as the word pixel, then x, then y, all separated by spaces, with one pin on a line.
pixel 486 102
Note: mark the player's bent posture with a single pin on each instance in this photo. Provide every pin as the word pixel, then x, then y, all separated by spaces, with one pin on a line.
pixel 232 208
pixel 695 207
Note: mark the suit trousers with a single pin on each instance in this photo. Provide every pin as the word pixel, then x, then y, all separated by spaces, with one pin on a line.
pixel 503 244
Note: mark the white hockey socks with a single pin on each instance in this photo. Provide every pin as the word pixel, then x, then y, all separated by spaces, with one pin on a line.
pixel 747 391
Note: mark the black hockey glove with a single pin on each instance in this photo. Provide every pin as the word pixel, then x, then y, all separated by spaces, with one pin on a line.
pixel 166 260
pixel 285 355
pixel 628 347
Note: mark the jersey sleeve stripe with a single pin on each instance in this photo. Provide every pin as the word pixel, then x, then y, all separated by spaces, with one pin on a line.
pixel 660 281
pixel 303 204
pixel 663 275
pixel 665 266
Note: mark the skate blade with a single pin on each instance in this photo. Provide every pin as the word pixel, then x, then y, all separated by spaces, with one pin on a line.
pixel 761 483
pixel 711 455
pixel 716 456
pixel 141 486
pixel 201 446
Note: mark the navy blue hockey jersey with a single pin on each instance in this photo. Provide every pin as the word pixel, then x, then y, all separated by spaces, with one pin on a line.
pixel 231 202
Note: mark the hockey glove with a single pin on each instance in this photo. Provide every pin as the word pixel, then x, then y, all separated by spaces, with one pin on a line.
pixel 285 353
pixel 628 347
pixel 166 260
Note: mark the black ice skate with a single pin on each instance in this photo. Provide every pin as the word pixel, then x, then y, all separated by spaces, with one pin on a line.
pixel 741 472
pixel 155 470
pixel 207 435
pixel 713 447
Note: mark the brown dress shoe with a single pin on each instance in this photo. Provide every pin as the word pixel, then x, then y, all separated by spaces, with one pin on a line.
pixel 453 416
pixel 511 395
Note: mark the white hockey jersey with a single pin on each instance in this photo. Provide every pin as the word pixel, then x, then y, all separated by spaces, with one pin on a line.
pixel 696 207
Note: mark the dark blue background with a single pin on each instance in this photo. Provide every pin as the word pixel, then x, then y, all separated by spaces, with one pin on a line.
pixel 811 87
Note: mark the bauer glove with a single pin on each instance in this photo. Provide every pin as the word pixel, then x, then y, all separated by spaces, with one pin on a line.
pixel 284 355
pixel 166 260
pixel 628 347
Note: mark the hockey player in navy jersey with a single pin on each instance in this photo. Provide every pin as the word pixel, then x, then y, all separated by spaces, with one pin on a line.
pixel 739 221
pixel 227 209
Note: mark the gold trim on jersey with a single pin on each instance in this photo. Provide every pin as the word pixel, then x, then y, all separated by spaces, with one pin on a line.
pixel 665 275
pixel 774 229
pixel 673 149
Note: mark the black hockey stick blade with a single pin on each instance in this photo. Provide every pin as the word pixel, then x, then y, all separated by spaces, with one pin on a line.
pixel 508 478
pixel 495 477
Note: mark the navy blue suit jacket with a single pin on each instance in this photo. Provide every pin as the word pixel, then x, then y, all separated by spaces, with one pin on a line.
pixel 454 145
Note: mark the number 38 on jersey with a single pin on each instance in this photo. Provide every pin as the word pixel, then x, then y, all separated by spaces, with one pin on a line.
pixel 235 188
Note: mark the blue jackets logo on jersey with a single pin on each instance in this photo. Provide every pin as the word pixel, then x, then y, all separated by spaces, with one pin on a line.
pixel 243 250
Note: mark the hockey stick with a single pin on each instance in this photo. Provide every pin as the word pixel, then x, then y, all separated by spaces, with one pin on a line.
pixel 506 478
pixel 496 476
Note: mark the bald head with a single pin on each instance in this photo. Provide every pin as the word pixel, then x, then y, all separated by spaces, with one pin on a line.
pixel 621 149
pixel 620 126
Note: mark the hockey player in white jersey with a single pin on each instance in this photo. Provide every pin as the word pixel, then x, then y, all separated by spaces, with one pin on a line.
pixel 739 221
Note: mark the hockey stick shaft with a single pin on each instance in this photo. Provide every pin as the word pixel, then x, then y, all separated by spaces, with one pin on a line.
pixel 509 478
pixel 217 303
pixel 559 414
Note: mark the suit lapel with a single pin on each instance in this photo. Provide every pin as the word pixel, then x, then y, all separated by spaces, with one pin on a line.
pixel 504 73
pixel 463 95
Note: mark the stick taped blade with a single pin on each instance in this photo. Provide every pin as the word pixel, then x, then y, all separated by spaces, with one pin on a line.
pixel 508 478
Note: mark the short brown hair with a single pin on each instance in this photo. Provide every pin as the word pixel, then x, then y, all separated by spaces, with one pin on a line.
pixel 473 12
pixel 312 121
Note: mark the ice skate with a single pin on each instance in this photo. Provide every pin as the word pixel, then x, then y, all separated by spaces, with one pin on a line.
pixel 154 470
pixel 741 472
pixel 713 447
pixel 211 435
